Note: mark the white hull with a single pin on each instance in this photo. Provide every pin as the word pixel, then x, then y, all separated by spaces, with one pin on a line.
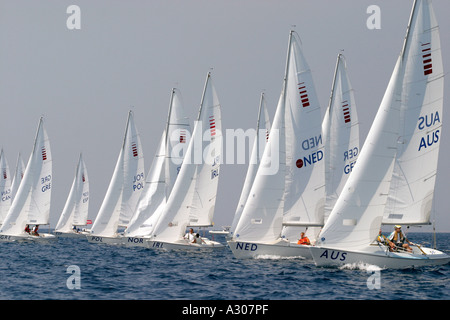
pixel 135 241
pixel 279 249
pixel 104 240
pixel 43 237
pixel 184 245
pixel 71 234
pixel 378 256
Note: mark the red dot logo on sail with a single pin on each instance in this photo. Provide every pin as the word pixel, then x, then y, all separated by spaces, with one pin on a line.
pixel 44 154
pixel 303 94
pixel 346 111
pixel 4 175
pixel 134 148
pixel 426 56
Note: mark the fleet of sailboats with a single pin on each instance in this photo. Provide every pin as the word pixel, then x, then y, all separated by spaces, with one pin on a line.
pixel 393 180
pixel 307 174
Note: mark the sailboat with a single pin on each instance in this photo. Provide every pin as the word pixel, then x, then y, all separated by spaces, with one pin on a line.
pixel 400 138
pixel 5 187
pixel 191 202
pixel 340 129
pixel 261 139
pixel 18 175
pixel 162 174
pixel 124 190
pixel 289 188
pixel 75 210
pixel 31 205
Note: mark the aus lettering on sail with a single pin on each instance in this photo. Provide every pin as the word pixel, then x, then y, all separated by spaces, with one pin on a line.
pixel 427 123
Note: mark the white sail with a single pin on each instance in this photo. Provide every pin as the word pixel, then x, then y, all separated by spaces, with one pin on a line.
pixel 294 195
pixel 31 205
pixel 18 175
pixel 193 197
pixel 76 209
pixel 411 193
pixel 5 187
pixel 358 214
pixel 262 126
pixel 304 198
pixel 340 129
pixel 164 170
pixel 125 187
pixel 261 218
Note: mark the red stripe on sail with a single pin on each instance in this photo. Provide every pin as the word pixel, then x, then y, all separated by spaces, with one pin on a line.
pixel 134 148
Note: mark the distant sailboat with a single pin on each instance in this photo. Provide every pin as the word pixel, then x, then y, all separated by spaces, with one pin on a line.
pixel 124 190
pixel 5 187
pixel 75 210
pixel 401 150
pixel 261 139
pixel 192 200
pixel 31 205
pixel 18 175
pixel 162 174
pixel 292 196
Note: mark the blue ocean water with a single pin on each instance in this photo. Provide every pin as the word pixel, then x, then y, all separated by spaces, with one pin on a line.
pixel 32 271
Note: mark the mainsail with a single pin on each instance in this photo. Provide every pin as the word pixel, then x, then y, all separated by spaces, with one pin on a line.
pixel 340 129
pixel 193 197
pixel 76 209
pixel 31 205
pixel 261 139
pixel 164 170
pixel 5 187
pixel 125 187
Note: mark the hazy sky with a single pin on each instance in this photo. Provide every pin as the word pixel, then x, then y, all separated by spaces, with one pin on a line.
pixel 129 54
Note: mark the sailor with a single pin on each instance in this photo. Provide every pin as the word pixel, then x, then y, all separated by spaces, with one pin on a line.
pixel 27 229
pixel 197 239
pixel 303 239
pixel 399 239
pixel 35 230
pixel 190 235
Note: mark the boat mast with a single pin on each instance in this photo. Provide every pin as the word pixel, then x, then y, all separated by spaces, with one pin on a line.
pixel 408 28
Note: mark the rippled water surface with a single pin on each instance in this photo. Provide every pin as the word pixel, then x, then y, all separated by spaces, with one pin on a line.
pixel 40 271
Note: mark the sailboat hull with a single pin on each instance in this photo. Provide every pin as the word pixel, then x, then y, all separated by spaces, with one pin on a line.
pixel 279 249
pixel 71 234
pixel 43 237
pixel 184 245
pixel 135 241
pixel 104 240
pixel 378 256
